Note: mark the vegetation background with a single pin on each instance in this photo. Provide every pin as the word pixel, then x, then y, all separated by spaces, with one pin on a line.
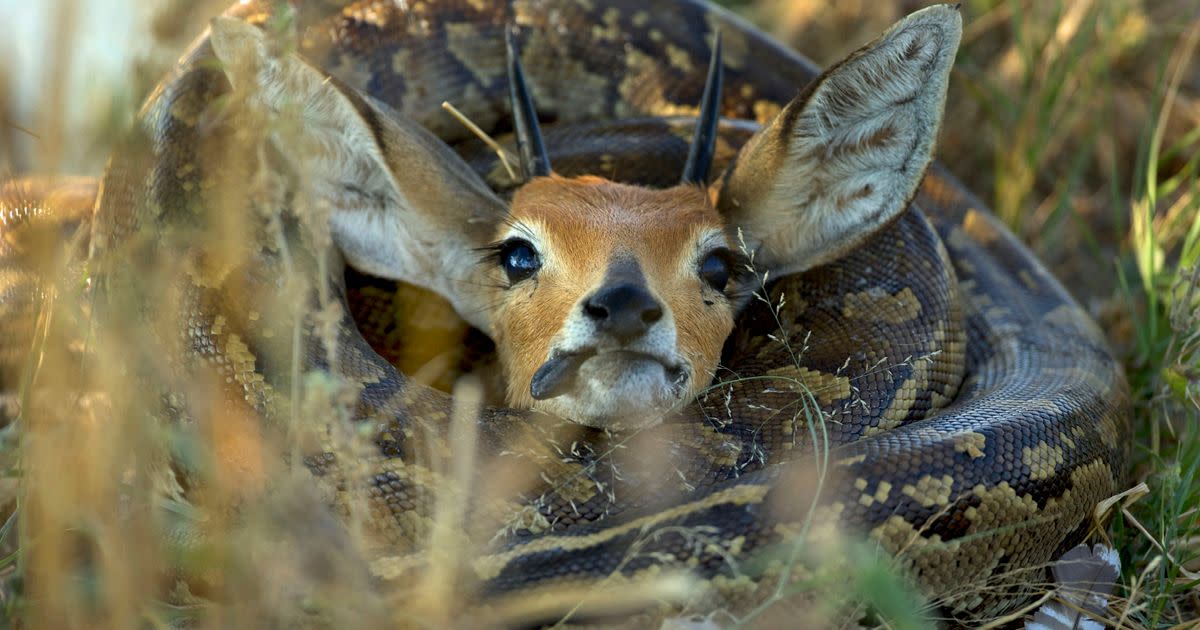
pixel 1078 120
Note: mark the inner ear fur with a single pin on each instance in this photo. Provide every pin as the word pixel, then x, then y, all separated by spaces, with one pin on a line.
pixel 845 157
pixel 402 204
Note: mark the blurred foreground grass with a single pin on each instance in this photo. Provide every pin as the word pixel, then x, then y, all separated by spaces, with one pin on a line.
pixel 1078 120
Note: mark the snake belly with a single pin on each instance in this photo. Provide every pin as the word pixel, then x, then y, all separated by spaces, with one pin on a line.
pixel 972 413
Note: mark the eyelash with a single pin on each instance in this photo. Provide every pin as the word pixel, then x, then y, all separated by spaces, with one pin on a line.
pixel 497 253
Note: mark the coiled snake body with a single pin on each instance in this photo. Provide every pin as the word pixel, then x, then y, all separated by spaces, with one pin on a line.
pixel 971 414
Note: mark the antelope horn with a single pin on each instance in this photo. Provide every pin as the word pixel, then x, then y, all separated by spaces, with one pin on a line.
pixel 534 160
pixel 700 156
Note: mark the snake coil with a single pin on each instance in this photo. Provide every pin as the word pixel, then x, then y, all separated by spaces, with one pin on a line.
pixel 972 413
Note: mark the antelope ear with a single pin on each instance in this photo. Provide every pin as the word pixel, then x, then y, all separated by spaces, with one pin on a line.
pixel 402 205
pixel 846 156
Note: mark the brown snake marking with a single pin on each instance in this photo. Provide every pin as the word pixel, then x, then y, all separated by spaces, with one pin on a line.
pixel 974 413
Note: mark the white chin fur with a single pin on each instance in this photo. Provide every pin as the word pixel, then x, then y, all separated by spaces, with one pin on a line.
pixel 617 392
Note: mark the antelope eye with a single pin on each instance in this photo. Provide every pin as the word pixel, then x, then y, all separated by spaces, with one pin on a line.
pixel 714 269
pixel 519 259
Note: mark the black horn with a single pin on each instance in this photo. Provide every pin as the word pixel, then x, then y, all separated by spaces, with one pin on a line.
pixel 534 160
pixel 699 160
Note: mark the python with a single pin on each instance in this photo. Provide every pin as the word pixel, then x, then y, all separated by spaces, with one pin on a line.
pixel 967 410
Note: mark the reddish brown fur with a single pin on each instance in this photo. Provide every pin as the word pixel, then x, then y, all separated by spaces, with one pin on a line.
pixel 583 222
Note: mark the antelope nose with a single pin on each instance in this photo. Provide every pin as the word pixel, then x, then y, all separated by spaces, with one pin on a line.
pixel 624 311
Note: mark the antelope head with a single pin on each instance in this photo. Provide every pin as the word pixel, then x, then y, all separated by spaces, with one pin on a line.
pixel 610 303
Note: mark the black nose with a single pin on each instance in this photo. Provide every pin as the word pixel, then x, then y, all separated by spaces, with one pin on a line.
pixel 624 311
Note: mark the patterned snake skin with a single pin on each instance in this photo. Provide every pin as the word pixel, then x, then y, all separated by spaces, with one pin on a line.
pixel 971 415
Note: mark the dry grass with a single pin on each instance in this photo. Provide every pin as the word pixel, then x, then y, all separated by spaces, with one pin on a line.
pixel 1076 119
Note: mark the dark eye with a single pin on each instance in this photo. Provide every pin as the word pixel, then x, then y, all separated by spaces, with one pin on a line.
pixel 715 270
pixel 519 259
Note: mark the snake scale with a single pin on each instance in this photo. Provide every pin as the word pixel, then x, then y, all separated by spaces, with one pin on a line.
pixel 971 415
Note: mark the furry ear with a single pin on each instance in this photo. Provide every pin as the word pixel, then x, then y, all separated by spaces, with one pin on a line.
pixel 402 204
pixel 846 156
